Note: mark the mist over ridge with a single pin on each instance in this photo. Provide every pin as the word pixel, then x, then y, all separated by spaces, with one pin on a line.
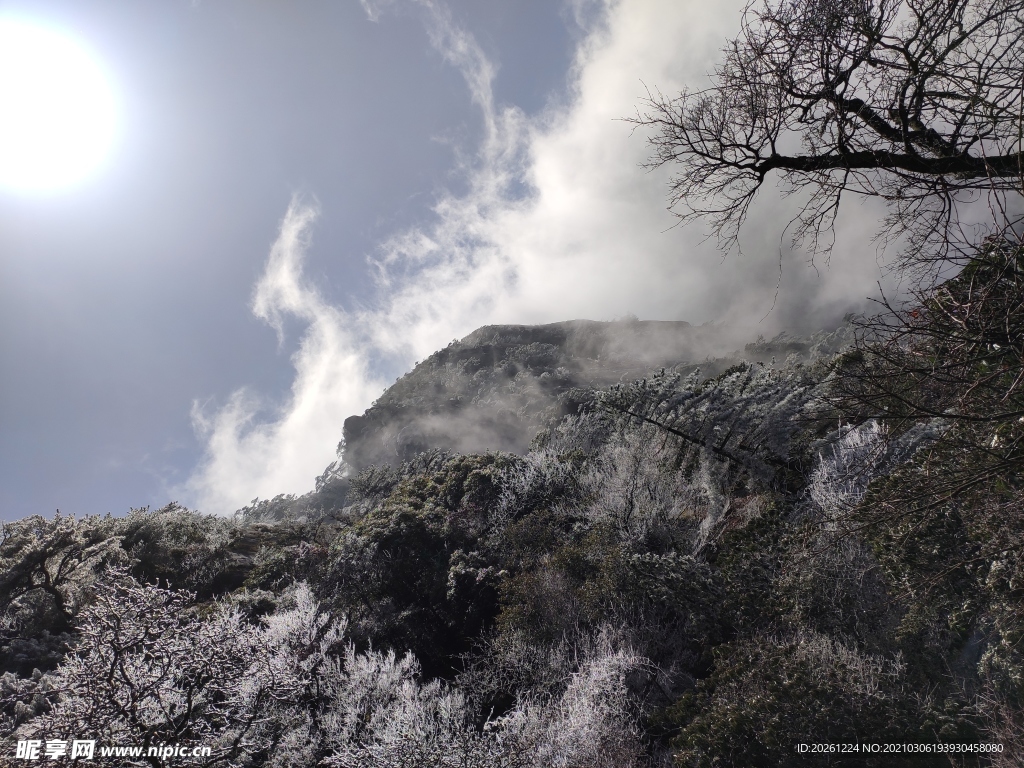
pixel 551 216
pixel 500 387
pixel 495 388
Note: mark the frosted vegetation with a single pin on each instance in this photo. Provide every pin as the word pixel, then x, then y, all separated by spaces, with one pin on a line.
pixel 616 545
pixel 686 570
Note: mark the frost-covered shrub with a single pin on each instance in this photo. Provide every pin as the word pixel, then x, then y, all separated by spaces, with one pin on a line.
pixel 541 478
pixel 370 487
pixel 581 433
pixel 315 698
pixel 670 607
pixel 145 671
pixel 282 691
pixel 595 722
pixel 509 666
pixel 842 477
pixel 835 585
pixel 858 457
pixel 184 548
pixel 576 704
pixel 47 569
pixel 22 698
pixel 1004 724
pixel 381 716
pixel 633 485
pixel 149 670
pixel 412 574
pixel 744 419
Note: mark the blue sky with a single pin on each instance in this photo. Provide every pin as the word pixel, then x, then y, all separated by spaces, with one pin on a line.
pixel 307 197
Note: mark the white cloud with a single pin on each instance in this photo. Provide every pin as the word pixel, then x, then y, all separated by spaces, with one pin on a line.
pixel 248 457
pixel 590 238
pixel 374 8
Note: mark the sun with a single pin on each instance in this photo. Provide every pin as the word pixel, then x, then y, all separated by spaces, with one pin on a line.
pixel 58 115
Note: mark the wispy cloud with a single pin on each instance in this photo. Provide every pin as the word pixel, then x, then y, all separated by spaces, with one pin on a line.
pixel 591 236
pixel 559 221
pixel 374 8
pixel 256 450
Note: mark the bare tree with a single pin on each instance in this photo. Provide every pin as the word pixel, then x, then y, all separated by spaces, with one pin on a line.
pixel 917 102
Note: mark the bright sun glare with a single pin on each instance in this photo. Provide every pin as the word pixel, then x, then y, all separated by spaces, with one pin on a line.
pixel 57 110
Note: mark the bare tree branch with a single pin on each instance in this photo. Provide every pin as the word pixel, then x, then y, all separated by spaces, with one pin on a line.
pixel 917 102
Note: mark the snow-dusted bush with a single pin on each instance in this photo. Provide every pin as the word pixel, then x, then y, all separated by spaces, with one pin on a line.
pixel 768 693
pixel 865 675
pixel 861 454
pixel 380 716
pixel 745 418
pixel 176 545
pixel 842 477
pixel 595 722
pixel 52 563
pixel 531 482
pixel 146 671
pixel 150 670
pixel 633 484
pixel 581 433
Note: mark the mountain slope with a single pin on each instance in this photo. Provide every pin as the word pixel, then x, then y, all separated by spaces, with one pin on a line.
pixel 496 387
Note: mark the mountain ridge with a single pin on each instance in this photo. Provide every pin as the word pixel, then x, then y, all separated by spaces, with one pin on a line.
pixel 494 388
